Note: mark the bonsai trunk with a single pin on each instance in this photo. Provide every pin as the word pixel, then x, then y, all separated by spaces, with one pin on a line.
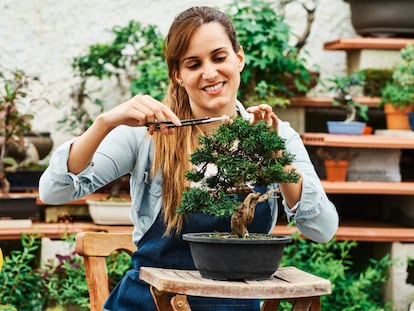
pixel 244 214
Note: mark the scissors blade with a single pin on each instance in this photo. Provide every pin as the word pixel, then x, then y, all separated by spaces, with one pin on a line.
pixel 187 122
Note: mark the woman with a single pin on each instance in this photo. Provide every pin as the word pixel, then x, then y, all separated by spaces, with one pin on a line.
pixel 204 61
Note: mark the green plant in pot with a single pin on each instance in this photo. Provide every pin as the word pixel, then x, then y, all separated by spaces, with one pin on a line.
pixel 247 158
pixel 344 89
pixel 17 151
pixel 398 95
pixel 274 70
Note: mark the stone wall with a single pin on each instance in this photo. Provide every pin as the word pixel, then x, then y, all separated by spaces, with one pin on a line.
pixel 41 37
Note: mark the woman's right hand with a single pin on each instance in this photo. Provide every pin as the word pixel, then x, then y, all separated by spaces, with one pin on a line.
pixel 139 110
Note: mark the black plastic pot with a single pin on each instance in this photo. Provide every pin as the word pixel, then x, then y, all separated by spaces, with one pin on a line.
pixel 221 258
pixel 383 18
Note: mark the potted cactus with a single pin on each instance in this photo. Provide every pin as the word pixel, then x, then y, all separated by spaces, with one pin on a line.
pixel 248 158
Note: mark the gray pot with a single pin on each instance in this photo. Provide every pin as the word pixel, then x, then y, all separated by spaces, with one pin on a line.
pixel 383 18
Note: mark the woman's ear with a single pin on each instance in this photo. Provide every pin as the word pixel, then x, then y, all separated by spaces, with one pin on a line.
pixel 178 78
pixel 240 56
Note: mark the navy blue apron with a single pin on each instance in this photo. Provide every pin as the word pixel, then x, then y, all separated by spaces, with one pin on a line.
pixel 155 250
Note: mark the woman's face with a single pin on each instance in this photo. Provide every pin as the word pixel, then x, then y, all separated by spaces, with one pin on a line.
pixel 210 72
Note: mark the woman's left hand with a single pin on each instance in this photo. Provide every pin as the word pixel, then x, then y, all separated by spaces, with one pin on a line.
pixel 264 113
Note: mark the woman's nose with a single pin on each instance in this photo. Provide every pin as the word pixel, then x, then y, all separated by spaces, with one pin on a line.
pixel 209 72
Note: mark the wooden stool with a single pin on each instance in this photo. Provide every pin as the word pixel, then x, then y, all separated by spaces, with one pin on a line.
pixel 301 288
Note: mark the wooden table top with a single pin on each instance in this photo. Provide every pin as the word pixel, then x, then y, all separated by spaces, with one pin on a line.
pixel 287 282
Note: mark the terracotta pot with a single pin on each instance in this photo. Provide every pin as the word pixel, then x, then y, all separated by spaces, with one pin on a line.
pixel 396 118
pixel 336 170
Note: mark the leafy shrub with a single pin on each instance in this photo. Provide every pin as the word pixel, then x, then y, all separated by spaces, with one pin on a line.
pixel 353 288
pixel 272 63
pixel 26 287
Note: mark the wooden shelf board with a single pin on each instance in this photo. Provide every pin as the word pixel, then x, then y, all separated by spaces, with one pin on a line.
pixel 358 141
pixel 82 201
pixel 368 187
pixel 58 230
pixel 359 43
pixel 324 101
pixel 362 232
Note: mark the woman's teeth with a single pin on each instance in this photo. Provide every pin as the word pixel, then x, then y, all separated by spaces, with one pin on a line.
pixel 214 87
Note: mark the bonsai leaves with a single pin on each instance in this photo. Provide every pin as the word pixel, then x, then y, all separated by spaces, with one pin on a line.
pixel 230 163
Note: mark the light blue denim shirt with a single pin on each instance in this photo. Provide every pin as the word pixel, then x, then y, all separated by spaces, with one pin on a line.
pixel 129 150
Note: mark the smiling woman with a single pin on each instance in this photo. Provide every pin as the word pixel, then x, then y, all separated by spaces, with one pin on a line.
pixel 204 61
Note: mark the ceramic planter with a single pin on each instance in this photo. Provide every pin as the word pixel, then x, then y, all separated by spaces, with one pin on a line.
pixel 107 212
pixel 396 118
pixel 345 128
pixel 222 258
pixel 382 18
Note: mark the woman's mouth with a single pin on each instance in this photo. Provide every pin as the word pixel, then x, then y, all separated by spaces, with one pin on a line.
pixel 213 88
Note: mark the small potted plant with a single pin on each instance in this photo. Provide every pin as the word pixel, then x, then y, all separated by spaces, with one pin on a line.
pixel 344 88
pixel 248 158
pixel 398 95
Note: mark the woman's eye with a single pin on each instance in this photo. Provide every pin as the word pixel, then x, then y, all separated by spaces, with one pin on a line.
pixel 193 66
pixel 219 59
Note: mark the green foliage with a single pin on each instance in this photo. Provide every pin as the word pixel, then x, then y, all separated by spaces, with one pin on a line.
pixel 344 88
pixel 353 288
pixel 15 100
pixel 21 283
pixel 134 58
pixel 271 62
pixel 26 287
pixel 375 80
pixel 245 156
pixel 400 92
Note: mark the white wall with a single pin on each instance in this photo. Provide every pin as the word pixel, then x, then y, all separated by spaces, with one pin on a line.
pixel 42 36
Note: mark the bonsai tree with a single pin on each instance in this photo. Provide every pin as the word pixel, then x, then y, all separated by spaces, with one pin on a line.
pixel 13 123
pixel 246 156
pixel 399 92
pixel 344 88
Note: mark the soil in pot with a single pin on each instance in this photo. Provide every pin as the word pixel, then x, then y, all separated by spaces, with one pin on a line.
pixel 227 257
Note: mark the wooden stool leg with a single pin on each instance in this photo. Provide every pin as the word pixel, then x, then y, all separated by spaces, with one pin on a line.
pixel 316 304
pixel 161 299
pixel 302 304
pixel 180 303
pixel 270 305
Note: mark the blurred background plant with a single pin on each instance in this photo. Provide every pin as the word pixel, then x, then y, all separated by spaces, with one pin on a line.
pixel 274 70
pixel 344 89
pixel 17 98
pixel 356 284
pixel 134 59
pixel 28 285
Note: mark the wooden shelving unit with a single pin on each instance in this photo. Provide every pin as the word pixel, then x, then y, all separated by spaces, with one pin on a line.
pixel 358 141
pixel 323 101
pixel 359 43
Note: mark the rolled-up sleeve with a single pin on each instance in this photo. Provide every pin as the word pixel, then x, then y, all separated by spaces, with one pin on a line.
pixel 315 215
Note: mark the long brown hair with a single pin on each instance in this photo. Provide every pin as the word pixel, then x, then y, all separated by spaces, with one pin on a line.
pixel 172 151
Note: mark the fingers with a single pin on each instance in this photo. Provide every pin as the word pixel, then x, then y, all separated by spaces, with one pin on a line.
pixel 264 113
pixel 141 109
